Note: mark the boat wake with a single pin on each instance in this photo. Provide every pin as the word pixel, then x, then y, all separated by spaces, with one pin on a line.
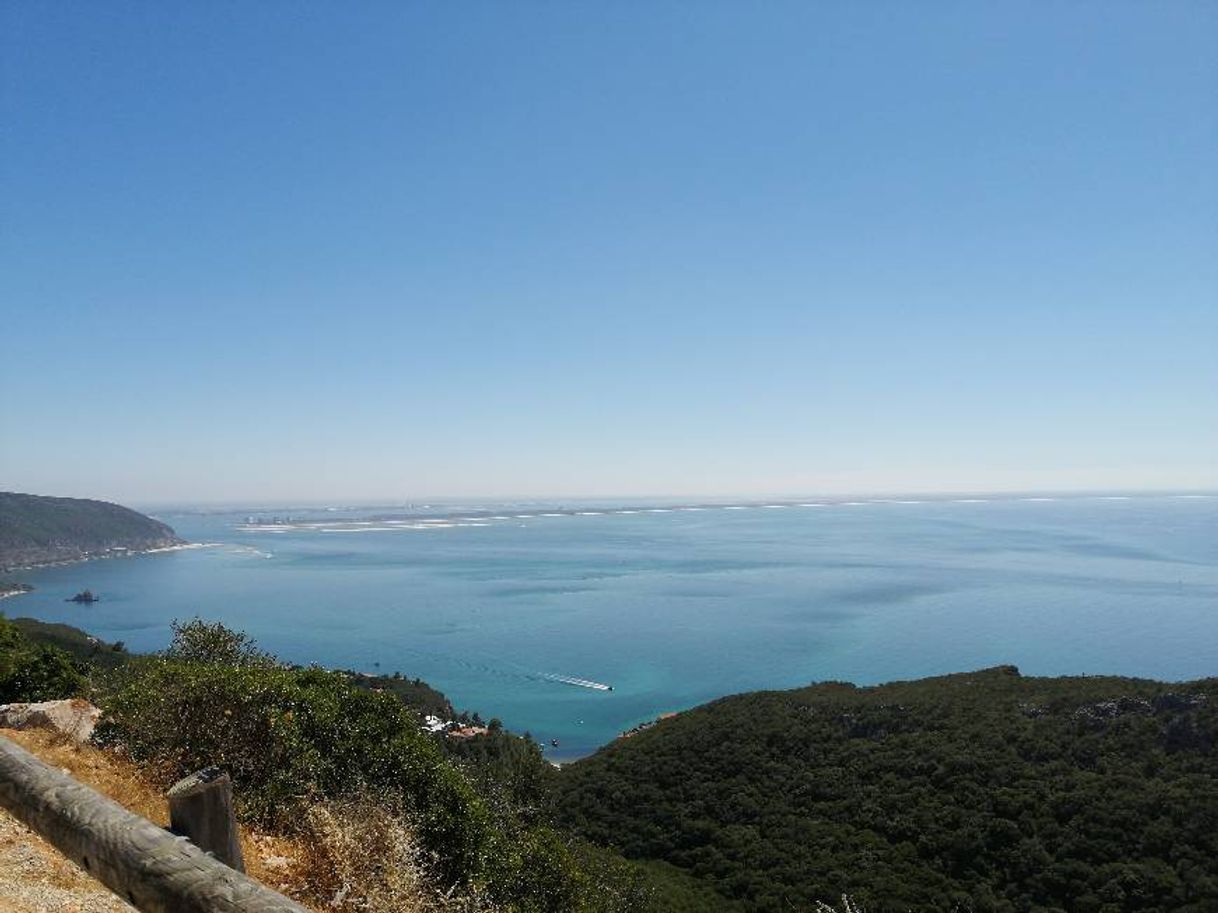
pixel 578 682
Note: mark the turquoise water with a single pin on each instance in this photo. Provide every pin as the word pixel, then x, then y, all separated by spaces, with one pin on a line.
pixel 676 607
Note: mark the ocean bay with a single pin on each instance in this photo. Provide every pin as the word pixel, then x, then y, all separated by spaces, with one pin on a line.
pixel 503 606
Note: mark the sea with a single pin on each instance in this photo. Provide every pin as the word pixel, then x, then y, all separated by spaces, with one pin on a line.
pixel 575 621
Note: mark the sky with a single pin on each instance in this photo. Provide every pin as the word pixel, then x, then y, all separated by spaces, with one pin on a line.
pixel 300 251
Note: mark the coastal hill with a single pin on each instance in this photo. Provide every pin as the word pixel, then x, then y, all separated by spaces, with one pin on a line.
pixel 988 792
pixel 38 530
pixel 984 791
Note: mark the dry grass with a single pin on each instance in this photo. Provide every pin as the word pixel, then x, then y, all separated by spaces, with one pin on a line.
pixel 362 858
pixel 353 857
pixel 105 771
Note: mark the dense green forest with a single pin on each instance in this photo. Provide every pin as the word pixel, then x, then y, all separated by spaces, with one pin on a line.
pixel 985 791
pixel 37 530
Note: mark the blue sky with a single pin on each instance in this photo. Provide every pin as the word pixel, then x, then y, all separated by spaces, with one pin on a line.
pixel 289 251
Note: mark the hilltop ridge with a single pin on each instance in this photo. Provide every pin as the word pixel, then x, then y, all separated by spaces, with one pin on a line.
pixel 39 530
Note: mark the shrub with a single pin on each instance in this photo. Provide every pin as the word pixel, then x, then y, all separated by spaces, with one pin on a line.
pixel 362 857
pixel 288 737
pixel 29 672
pixel 199 641
pixel 309 751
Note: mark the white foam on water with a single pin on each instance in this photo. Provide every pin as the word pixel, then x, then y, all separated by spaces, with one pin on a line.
pixel 250 550
pixel 359 529
pixel 579 682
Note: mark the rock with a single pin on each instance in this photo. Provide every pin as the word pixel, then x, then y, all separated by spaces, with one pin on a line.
pixel 74 718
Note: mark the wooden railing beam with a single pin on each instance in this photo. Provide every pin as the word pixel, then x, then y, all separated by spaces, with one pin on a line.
pixel 147 866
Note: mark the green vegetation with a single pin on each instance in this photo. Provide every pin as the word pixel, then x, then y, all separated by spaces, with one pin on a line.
pixel 412 692
pixel 84 648
pixel 40 530
pixel 508 770
pixel 985 791
pixel 288 736
pixel 35 672
pixel 295 738
pixel 980 792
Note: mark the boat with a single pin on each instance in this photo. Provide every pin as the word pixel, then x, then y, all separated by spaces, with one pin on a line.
pixel 84 596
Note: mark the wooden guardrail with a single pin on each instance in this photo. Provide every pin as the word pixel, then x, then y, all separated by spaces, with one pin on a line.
pixel 150 868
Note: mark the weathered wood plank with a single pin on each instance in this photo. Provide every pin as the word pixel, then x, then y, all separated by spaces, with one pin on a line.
pixel 201 808
pixel 152 869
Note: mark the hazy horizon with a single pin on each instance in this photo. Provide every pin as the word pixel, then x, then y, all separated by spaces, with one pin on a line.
pixel 607 251
pixel 472 501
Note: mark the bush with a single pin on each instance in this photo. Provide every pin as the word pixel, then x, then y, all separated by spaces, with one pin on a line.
pixel 311 752
pixel 198 641
pixel 29 672
pixel 362 857
pixel 288 737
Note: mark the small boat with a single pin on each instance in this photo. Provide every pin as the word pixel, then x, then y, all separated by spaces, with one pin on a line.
pixel 85 596
pixel 554 743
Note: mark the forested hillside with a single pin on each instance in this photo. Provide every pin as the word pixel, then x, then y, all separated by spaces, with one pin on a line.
pixel 985 791
pixel 35 529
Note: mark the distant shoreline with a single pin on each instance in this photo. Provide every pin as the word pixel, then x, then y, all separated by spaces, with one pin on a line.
pixel 111 553
pixel 385 519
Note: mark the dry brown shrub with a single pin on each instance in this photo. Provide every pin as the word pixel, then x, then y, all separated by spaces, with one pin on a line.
pixel 362 858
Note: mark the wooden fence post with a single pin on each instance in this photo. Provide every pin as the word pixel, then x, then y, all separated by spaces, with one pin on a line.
pixel 150 868
pixel 201 808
